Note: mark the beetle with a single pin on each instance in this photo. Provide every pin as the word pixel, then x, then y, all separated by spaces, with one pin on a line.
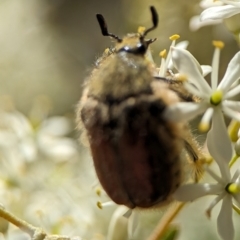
pixel 137 153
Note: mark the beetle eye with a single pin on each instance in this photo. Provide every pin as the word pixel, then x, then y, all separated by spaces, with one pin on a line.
pixel 140 48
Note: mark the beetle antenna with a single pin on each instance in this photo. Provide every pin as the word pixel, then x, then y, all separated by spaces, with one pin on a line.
pixel 154 20
pixel 103 26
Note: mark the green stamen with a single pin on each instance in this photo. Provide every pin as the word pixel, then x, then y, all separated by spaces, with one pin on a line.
pixel 216 97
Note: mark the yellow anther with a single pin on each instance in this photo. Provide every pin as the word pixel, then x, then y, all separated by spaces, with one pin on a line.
pixel 163 53
pixel 98 191
pixel 203 127
pixel 141 29
pixel 233 188
pixel 181 77
pixel 208 159
pixel 99 205
pixel 107 50
pixel 216 97
pixel 233 129
pixel 218 44
pixel 174 37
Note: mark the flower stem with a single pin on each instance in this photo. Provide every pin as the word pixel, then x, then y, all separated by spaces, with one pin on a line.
pixel 24 226
pixel 165 221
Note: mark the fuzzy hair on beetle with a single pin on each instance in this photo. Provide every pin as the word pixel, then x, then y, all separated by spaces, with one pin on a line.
pixel 137 153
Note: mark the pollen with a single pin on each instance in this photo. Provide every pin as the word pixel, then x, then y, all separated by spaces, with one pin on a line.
pixel 174 37
pixel 216 97
pixel 203 127
pixel 98 191
pixel 99 205
pixel 233 129
pixel 163 53
pixel 141 29
pixel 106 51
pixel 218 44
pixel 181 77
pixel 233 188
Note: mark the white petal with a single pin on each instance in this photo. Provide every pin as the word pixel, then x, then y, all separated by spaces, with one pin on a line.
pixel 133 222
pixel 190 192
pixel 206 69
pixel 233 92
pixel 182 45
pixel 188 66
pixel 214 175
pixel 234 3
pixel 195 91
pixel 215 202
pixel 56 126
pixel 209 3
pixel 183 111
pixel 231 113
pixel 234 105
pixel 219 12
pixel 236 176
pixel 219 144
pixel 224 220
pixel 196 24
pixel 117 229
pixel 60 149
pixel 232 73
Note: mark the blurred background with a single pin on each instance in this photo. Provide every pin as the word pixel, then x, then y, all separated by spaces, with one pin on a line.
pixel 47 48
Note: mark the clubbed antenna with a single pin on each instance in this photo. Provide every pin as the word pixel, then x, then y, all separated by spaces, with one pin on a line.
pixel 154 20
pixel 103 26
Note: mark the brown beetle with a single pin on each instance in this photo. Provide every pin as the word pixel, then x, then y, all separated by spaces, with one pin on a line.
pixel 136 152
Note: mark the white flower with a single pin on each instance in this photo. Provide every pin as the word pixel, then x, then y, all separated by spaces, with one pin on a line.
pixel 19 140
pixel 118 227
pixel 227 189
pixel 195 22
pixel 221 12
pixel 215 100
pixel 166 62
pixel 166 67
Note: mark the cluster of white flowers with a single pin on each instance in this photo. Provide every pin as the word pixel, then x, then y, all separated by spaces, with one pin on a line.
pixel 214 13
pixel 217 100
